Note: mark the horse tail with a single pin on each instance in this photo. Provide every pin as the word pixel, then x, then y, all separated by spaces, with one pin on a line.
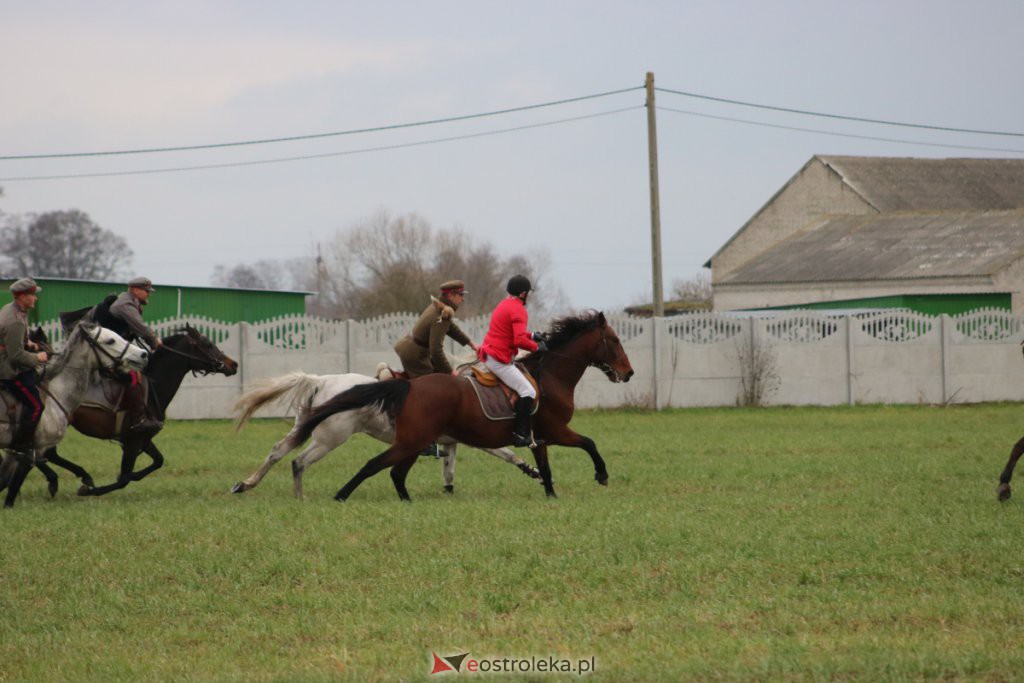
pixel 299 387
pixel 388 395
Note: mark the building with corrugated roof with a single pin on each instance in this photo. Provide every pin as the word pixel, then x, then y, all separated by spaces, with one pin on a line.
pixel 934 235
pixel 168 301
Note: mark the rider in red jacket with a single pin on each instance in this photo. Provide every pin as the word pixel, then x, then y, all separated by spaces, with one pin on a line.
pixel 505 336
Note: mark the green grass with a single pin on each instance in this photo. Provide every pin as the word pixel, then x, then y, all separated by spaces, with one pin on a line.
pixel 857 543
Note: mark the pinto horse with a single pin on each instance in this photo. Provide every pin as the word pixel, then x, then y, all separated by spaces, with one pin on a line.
pixel 430 406
pixel 304 393
pixel 183 352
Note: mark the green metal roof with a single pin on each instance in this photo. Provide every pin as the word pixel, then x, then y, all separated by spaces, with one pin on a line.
pixel 169 301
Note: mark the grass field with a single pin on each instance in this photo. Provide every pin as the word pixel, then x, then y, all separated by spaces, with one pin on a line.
pixel 859 543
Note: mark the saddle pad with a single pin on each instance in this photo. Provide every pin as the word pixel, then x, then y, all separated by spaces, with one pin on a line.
pixel 495 400
pixel 106 394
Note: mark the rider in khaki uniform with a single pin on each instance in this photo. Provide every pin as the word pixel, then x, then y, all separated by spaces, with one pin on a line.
pixel 19 361
pixel 124 316
pixel 422 351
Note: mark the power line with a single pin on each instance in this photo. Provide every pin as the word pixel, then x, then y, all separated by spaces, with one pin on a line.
pixel 837 116
pixel 314 136
pixel 842 135
pixel 323 155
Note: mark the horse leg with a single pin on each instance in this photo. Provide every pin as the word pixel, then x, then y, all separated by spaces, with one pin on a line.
pixel 280 449
pixel 392 456
pixel 311 454
pixel 1004 478
pixel 51 477
pixel 540 454
pixel 567 437
pixel 54 458
pixel 448 469
pixel 128 456
pixel 398 474
pixel 7 468
pixel 21 471
pixel 509 456
pixel 154 453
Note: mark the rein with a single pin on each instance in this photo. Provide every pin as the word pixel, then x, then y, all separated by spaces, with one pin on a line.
pixel 603 366
pixel 216 365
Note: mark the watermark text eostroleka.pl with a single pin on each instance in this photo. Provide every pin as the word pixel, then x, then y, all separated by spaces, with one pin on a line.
pixel 463 663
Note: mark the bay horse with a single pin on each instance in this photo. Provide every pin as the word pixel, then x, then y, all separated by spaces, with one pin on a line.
pixel 433 405
pixel 304 393
pixel 89 349
pixel 187 350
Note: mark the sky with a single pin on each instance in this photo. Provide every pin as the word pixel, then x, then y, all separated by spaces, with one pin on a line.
pixel 572 180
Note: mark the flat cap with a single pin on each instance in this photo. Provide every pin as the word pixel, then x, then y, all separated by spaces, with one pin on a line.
pixel 454 287
pixel 25 285
pixel 142 283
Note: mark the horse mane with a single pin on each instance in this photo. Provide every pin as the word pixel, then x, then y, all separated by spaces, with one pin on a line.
pixel 60 359
pixel 564 330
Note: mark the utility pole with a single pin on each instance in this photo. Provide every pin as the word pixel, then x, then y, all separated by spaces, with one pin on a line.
pixel 652 154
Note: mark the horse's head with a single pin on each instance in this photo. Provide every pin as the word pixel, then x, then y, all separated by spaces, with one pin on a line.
pixel 110 349
pixel 609 356
pixel 203 355
pixel 589 339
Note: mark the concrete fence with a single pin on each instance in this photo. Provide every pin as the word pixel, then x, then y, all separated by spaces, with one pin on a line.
pixel 702 359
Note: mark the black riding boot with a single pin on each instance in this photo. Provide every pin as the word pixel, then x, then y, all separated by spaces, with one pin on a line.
pixel 22 440
pixel 138 420
pixel 521 432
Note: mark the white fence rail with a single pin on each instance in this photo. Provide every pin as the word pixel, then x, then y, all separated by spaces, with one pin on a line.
pixel 698 359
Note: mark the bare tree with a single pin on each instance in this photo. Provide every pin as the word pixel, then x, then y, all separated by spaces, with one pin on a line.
pixel 62 244
pixel 759 369
pixel 697 288
pixel 263 274
pixel 392 264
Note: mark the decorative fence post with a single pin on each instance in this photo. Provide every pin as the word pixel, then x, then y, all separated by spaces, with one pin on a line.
pixel 849 361
pixel 944 342
pixel 656 330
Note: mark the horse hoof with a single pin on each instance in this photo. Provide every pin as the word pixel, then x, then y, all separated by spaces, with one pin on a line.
pixel 52 488
pixel 87 481
pixel 84 490
pixel 1004 492
pixel 552 494
pixel 449 488
pixel 239 488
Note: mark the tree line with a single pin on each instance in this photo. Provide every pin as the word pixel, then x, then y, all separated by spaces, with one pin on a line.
pixel 384 264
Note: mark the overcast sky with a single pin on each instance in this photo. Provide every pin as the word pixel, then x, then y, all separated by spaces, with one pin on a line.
pixel 102 76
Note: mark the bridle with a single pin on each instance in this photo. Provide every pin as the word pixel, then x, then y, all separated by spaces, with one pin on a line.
pixel 98 351
pixel 214 364
pixel 610 372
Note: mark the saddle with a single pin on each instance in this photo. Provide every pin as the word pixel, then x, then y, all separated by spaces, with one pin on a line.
pixel 108 396
pixel 497 401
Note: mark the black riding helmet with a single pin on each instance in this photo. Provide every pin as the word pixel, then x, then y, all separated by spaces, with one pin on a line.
pixel 518 284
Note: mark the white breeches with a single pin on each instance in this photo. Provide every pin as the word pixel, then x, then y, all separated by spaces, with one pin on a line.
pixel 510 375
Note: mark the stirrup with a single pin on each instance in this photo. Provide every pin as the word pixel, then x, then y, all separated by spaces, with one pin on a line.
pixel 146 425
pixel 520 441
pixel 431 451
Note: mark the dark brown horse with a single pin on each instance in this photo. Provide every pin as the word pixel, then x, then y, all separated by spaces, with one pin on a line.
pixel 183 352
pixel 1003 490
pixel 432 405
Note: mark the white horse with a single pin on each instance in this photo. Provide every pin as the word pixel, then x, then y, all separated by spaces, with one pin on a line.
pixel 306 392
pixel 88 349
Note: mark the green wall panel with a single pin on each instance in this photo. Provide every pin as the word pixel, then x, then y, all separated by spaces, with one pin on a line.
pixel 168 301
